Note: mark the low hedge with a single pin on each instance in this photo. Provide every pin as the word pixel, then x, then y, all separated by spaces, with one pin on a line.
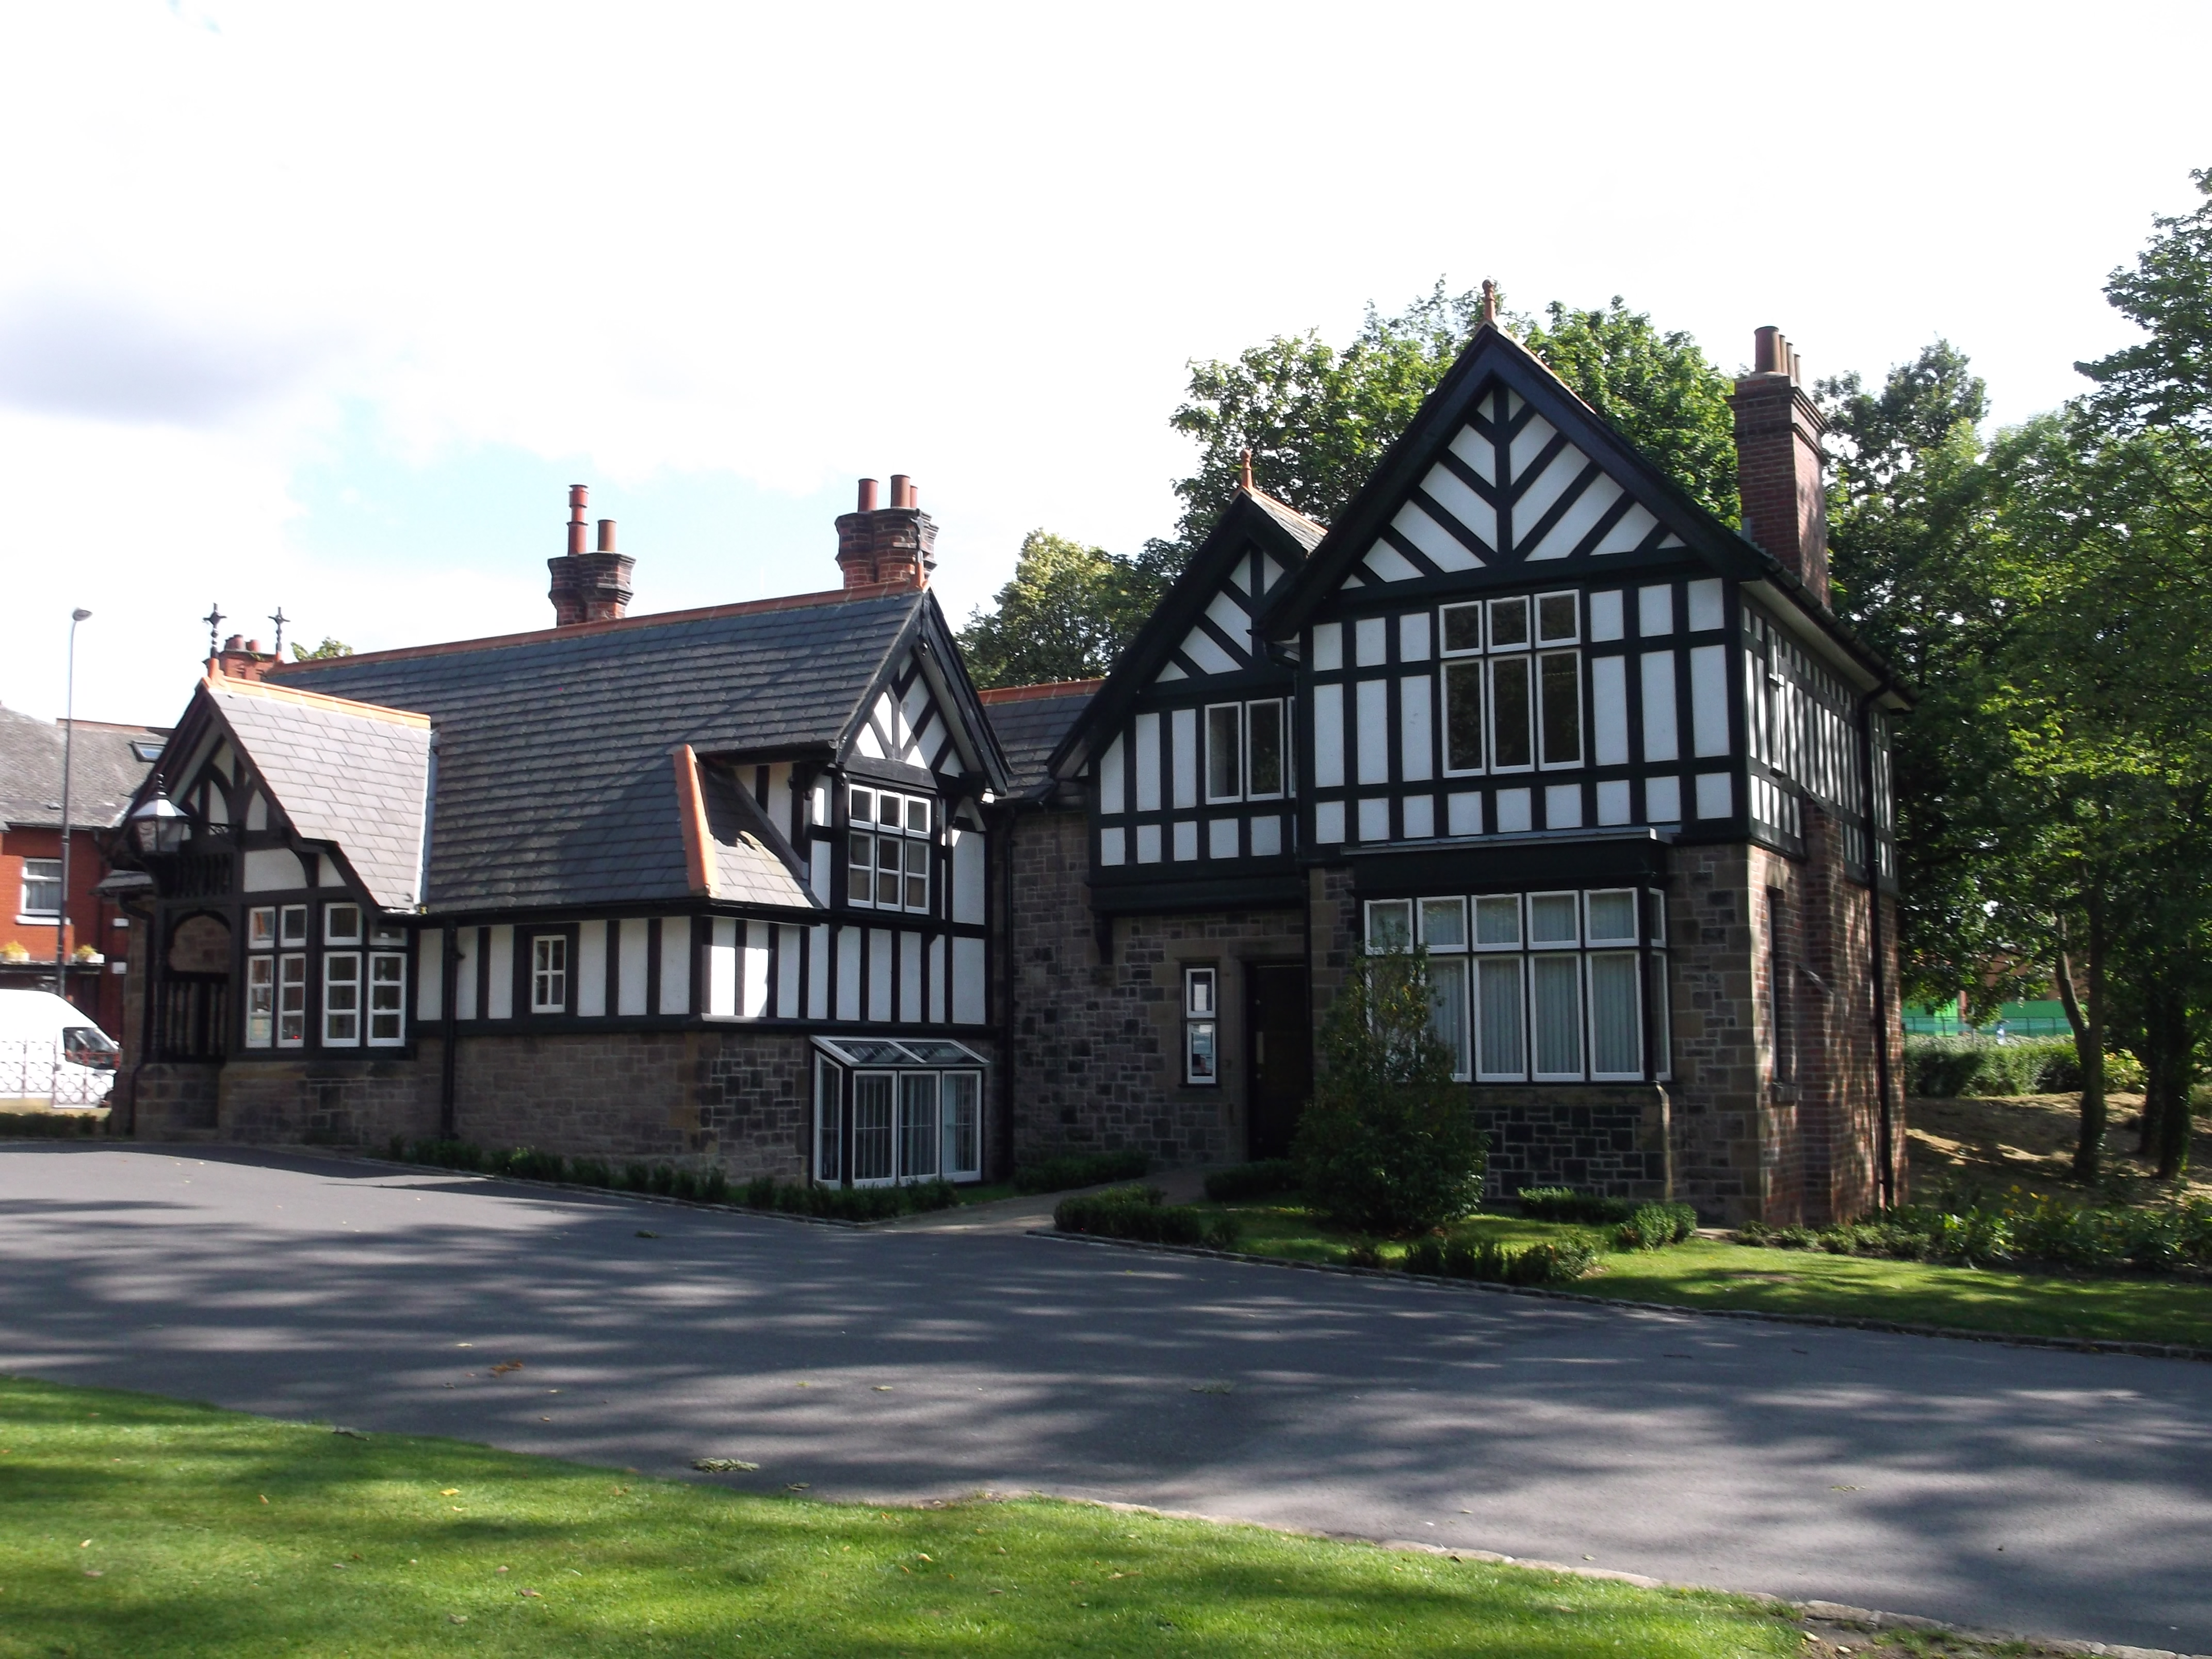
pixel 1565 1204
pixel 49 1126
pixel 2020 1228
pixel 1140 1212
pixel 1057 1175
pixel 710 1185
pixel 1264 1178
pixel 1945 1067
pixel 1555 1261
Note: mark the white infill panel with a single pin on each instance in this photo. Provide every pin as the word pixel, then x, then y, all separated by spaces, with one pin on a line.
pixel 817 973
pixel 1148 762
pixel 1414 636
pixel 676 964
pixel 1579 520
pixel 1709 730
pixel 1628 531
pixel 787 971
pixel 1111 795
pixel 849 973
pixel 1266 837
pixel 1609 710
pixel 499 973
pixel 879 973
pixel 1386 564
pixel 967 1002
pixel 1527 444
pixel 1613 801
pixel 1478 452
pixel 753 976
pixel 1415 761
pixel 1705 610
pixel 1328 646
pixel 429 975
pixel 722 969
pixel 1329 822
pixel 1716 799
pixel 1113 845
pixel 967 875
pixel 1148 843
pixel 1221 838
pixel 937 980
pixel 1661 739
pixel 1419 814
pixel 1513 811
pixel 1541 496
pixel 1229 616
pixel 1185 725
pixel 592 969
pixel 1374 704
pixel 817 869
pixel 469 940
pixel 274 870
pixel 1370 638
pixel 1186 840
pixel 1169 672
pixel 1605 611
pixel 910 986
pixel 1662 800
pixel 1563 806
pixel 630 966
pixel 1443 487
pixel 1374 818
pixel 1445 551
pixel 1328 736
pixel 1463 813
pixel 1198 645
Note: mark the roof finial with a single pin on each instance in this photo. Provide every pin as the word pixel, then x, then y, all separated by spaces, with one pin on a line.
pixel 1489 302
pixel 1244 469
pixel 278 616
pixel 213 619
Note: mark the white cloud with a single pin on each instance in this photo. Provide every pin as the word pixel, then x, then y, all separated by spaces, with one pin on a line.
pixel 975 244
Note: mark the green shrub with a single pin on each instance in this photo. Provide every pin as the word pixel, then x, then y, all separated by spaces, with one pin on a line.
pixel 1554 1261
pixel 635 1178
pixel 1565 1204
pixel 1139 1212
pixel 1945 1067
pixel 1389 1143
pixel 1363 1253
pixel 1057 1175
pixel 835 1203
pixel 591 1172
pixel 1264 1178
pixel 531 1164
pixel 1654 1226
pixel 49 1126
pixel 445 1154
pixel 1425 1255
pixel 714 1186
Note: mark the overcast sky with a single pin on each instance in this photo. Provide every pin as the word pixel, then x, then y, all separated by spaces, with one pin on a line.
pixel 323 306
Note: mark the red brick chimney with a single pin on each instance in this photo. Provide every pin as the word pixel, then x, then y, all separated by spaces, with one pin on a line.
pixel 894 543
pixel 241 659
pixel 1777 463
pixel 588 586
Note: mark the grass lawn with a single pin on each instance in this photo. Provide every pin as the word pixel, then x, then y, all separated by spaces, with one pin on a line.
pixel 131 1525
pixel 1706 1273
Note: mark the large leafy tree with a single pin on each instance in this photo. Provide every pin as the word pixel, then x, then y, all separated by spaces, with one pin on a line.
pixel 1065 615
pixel 2165 380
pixel 1317 419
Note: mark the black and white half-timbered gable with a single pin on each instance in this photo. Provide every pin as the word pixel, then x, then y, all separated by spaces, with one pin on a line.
pixel 676 872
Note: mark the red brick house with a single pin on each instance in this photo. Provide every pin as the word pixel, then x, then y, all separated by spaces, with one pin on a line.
pixel 106 765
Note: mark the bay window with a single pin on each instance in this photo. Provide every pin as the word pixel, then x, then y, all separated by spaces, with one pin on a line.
pixel 888 1112
pixel 890 842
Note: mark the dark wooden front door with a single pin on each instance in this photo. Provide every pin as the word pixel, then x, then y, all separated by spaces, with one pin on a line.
pixel 1280 1022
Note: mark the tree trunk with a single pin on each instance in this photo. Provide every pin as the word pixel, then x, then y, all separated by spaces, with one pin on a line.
pixel 2168 1077
pixel 2088 1025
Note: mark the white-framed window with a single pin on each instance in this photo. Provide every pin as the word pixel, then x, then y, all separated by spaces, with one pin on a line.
pixel 1389 926
pixel 1202 1027
pixel 874 1146
pixel 890 844
pixel 261 927
pixel 1556 986
pixel 961 1104
pixel 549 974
pixel 920 1146
pixel 260 1001
pixel 387 998
pixel 828 1163
pixel 292 925
pixel 1463 701
pixel 342 924
pixel 1559 704
pixel 1225 752
pixel 1512 712
pixel 292 997
pixel 42 888
pixel 1509 624
pixel 1460 629
pixel 1266 751
pixel 341 1000
pixel 1558 619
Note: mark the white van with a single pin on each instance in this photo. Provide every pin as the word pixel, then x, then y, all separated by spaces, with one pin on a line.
pixel 51 1055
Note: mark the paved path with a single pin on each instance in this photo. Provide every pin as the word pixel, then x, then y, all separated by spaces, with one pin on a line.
pixel 2063 1494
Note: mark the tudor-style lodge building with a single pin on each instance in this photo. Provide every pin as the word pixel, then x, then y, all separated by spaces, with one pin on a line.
pixel 772 885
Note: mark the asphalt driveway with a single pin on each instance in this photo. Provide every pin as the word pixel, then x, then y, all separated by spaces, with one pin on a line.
pixel 2061 1493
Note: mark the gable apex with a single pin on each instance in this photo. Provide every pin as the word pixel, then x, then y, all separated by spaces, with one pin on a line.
pixel 1503 466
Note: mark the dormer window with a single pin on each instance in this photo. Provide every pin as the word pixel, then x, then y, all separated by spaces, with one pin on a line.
pixel 889 844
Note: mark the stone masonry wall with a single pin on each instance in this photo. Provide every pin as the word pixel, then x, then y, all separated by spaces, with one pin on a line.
pixel 1718 1062
pixel 331 1103
pixel 1602 1138
pixel 1097 1046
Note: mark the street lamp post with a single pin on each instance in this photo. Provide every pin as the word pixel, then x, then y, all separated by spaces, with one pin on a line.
pixel 69 739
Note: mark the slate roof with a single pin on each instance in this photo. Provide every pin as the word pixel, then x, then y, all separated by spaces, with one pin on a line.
pixel 105 772
pixel 1307 532
pixel 753 863
pixel 1031 720
pixel 353 775
pixel 554 781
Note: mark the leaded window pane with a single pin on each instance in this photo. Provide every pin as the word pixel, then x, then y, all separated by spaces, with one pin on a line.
pixel 1448 1008
pixel 1497 1017
pixel 1562 678
pixel 1555 994
pixel 1616 1034
pixel 871 1126
pixel 918 1148
pixel 1463 716
pixel 1510 710
pixel 1225 763
pixel 1266 756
